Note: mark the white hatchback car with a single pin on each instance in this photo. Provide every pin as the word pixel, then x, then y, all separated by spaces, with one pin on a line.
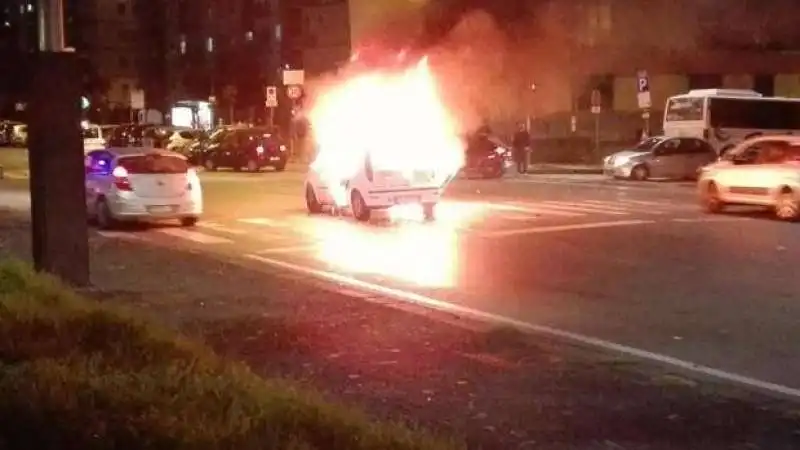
pixel 762 171
pixel 141 184
pixel 375 188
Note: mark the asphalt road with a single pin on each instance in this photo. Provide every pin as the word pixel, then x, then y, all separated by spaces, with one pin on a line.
pixel 635 266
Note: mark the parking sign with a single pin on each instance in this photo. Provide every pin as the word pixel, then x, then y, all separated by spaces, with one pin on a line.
pixel 643 89
pixel 272 97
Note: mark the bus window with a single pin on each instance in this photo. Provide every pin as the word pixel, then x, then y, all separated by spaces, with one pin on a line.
pixel 754 114
pixel 684 109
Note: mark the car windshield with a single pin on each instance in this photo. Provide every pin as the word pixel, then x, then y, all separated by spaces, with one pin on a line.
pixel 649 143
pixel 154 163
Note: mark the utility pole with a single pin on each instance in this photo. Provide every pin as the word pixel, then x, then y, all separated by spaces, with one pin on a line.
pixel 58 198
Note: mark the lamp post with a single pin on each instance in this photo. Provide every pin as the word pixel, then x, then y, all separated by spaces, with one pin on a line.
pixel 59 232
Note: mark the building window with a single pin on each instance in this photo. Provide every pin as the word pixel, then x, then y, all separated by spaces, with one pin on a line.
pixel 278 33
pixel 182 44
pixel 210 45
pixel 248 36
pixel 604 84
pixel 122 8
pixel 705 81
pixel 764 84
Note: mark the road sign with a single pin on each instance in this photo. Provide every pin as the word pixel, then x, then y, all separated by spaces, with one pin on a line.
pixel 294 92
pixel 643 89
pixel 137 99
pixel 597 101
pixel 293 77
pixel 272 97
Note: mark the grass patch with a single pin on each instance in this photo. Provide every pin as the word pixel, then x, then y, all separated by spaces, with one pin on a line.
pixel 75 373
pixel 14 159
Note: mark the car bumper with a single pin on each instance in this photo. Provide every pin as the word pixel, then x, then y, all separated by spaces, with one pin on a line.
pixel 136 208
pixel 387 199
pixel 618 171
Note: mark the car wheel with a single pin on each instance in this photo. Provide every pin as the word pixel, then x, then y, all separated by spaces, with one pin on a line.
pixel 640 173
pixel 103 216
pixel 280 167
pixel 711 200
pixel 189 221
pixel 252 166
pixel 210 165
pixel 359 207
pixel 787 207
pixel 429 211
pixel 312 203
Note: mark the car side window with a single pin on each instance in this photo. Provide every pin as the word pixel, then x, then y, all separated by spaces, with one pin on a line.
pixel 668 148
pixel 753 154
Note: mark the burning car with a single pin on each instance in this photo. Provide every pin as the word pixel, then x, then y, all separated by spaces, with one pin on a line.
pixel 364 163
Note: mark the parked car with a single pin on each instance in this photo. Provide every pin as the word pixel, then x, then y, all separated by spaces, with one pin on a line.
pixel 141 184
pixel 19 135
pixel 249 148
pixel 95 137
pixel 7 131
pixel 762 171
pixel 486 157
pixel 660 157
pixel 181 140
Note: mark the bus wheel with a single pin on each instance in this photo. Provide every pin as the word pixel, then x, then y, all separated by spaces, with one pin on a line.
pixel 640 173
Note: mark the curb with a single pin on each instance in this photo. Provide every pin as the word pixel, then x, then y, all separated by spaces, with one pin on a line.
pixel 566 172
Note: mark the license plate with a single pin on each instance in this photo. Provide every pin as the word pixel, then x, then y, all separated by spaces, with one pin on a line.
pixel 274 158
pixel 400 199
pixel 160 209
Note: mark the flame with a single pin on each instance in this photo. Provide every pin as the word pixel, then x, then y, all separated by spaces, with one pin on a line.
pixel 398 119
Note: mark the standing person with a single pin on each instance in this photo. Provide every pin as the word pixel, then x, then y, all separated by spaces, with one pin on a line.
pixel 520 145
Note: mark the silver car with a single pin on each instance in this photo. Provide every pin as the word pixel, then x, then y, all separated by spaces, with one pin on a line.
pixel 141 184
pixel 661 157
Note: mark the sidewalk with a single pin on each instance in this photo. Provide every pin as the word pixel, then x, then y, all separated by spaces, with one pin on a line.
pixel 495 388
pixel 559 169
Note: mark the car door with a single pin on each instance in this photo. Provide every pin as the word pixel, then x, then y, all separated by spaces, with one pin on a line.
pixel 667 162
pixel 697 153
pixel 745 180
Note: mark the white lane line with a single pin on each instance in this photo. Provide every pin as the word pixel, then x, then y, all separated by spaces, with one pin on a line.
pixel 710 219
pixel 221 228
pixel 194 236
pixel 534 210
pixel 580 207
pixel 561 228
pixel 263 221
pixel 621 205
pixel 132 236
pixel 287 249
pixel 497 319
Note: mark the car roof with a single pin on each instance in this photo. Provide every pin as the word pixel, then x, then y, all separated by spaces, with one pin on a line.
pixel 141 151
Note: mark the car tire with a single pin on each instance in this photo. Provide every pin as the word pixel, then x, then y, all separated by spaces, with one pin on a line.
pixel 312 202
pixel 189 221
pixel 710 199
pixel 210 165
pixel 787 207
pixel 640 173
pixel 429 212
pixel 359 207
pixel 252 165
pixel 280 167
pixel 103 216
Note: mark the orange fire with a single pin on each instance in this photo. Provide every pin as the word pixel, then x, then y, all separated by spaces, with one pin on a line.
pixel 396 117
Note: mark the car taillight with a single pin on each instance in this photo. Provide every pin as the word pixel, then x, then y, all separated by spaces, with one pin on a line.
pixel 121 180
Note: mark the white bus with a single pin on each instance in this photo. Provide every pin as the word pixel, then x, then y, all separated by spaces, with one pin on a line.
pixel 725 117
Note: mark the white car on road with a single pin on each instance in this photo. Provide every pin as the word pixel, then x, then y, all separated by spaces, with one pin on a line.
pixel 374 187
pixel 141 184
pixel 762 171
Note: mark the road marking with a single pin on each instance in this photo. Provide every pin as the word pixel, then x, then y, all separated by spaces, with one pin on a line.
pixel 560 228
pixel 568 206
pixel 287 249
pixel 132 236
pixel 263 221
pixel 221 228
pixel 497 319
pixel 535 210
pixel 623 205
pixel 710 219
pixel 194 236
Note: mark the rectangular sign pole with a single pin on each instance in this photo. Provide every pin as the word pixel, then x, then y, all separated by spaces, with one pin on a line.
pixel 58 199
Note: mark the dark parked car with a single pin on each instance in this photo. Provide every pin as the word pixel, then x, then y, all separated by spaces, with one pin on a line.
pixel 138 135
pixel 237 148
